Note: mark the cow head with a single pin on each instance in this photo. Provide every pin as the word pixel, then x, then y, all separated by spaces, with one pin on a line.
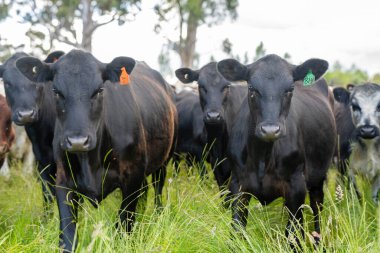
pixel 6 131
pixel 270 89
pixel 213 90
pixel 364 102
pixel 23 95
pixel 78 84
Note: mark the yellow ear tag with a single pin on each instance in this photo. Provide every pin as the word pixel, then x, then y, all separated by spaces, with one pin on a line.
pixel 124 77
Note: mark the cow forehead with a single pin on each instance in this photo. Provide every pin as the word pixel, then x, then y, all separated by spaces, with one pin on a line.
pixel 271 71
pixel 209 75
pixel 78 70
pixel 367 100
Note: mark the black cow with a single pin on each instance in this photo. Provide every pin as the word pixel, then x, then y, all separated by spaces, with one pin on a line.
pixel 361 128
pixel 283 139
pixel 191 133
pixel 220 102
pixel 33 106
pixel 108 134
pixel 345 128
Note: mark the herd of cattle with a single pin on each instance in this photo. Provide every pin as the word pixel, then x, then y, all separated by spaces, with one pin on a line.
pixel 95 127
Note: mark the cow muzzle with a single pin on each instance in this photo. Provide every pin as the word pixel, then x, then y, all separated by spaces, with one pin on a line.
pixel 269 132
pixel 25 116
pixel 77 143
pixel 368 132
pixel 213 117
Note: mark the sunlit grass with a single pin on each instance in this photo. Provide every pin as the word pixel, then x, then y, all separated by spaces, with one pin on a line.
pixel 193 220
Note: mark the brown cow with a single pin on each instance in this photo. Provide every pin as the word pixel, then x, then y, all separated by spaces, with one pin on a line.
pixel 7 134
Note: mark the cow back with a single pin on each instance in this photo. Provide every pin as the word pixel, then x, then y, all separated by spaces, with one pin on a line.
pixel 141 114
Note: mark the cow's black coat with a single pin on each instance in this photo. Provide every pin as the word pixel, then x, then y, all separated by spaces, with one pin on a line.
pixel 220 102
pixel 192 137
pixel 33 106
pixel 107 136
pixel 283 139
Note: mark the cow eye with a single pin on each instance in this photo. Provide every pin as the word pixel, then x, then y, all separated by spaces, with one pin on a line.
pixel 253 90
pixel 378 108
pixel 290 90
pixel 97 93
pixel 225 88
pixel 58 94
pixel 356 108
pixel 202 88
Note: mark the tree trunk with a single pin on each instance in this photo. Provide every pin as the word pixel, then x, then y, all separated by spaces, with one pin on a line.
pixel 187 50
pixel 88 25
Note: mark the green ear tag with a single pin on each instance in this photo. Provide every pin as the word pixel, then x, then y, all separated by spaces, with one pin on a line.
pixel 309 79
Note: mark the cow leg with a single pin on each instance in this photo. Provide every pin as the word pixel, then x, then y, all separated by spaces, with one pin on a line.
pixel 144 197
pixel 130 192
pixel 316 203
pixel 48 188
pixel 375 189
pixel 158 180
pixel 68 209
pixel 240 211
pixel 294 200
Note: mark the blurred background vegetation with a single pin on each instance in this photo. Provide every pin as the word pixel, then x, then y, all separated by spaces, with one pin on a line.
pixel 73 22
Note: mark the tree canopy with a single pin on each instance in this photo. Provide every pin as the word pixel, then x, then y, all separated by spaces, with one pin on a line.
pixel 57 20
pixel 189 15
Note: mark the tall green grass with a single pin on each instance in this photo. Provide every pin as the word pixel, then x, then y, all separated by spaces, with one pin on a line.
pixel 193 220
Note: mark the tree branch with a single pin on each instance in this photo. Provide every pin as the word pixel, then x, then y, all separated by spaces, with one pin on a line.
pixel 97 25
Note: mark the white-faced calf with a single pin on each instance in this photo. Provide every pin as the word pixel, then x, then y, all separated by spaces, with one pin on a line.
pixel 364 105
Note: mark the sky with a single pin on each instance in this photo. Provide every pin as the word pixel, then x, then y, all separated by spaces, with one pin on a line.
pixel 347 31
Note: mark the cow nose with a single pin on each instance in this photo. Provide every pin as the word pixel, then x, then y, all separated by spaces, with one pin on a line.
pixel 213 116
pixel 78 143
pixel 368 132
pixel 270 131
pixel 26 116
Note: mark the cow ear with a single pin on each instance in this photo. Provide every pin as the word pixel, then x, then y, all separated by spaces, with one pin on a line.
pixel 1 70
pixel 233 70
pixel 116 69
pixel 317 67
pixel 187 75
pixel 53 56
pixel 35 70
pixel 342 95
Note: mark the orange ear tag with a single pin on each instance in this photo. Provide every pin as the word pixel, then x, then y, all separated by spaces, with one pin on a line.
pixel 124 77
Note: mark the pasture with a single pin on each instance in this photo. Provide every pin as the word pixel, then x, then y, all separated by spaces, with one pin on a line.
pixel 192 220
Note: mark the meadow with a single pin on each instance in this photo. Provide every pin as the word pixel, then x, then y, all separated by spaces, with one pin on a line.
pixel 193 220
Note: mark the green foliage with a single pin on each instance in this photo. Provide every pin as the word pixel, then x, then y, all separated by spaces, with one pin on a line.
pixel 190 15
pixel 56 20
pixel 339 76
pixel 193 220
pixel 260 51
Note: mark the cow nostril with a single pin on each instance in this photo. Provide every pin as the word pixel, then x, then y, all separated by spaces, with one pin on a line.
pixel 26 113
pixel 270 129
pixel 86 141
pixel 213 115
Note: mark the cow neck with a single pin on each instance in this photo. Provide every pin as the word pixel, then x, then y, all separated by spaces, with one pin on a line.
pixel 261 152
pixel 215 133
pixel 47 113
